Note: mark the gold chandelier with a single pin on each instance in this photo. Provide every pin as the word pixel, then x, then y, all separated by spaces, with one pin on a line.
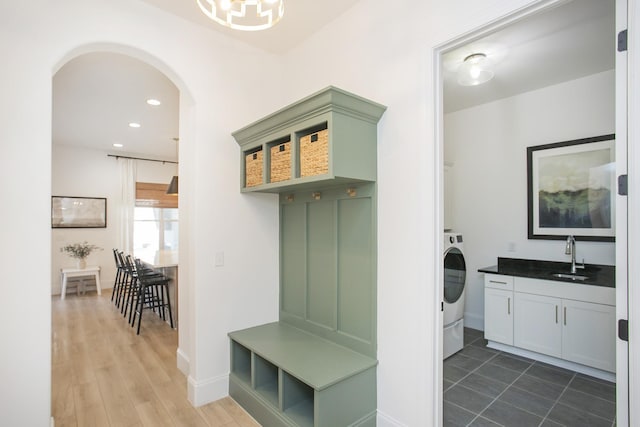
pixel 246 15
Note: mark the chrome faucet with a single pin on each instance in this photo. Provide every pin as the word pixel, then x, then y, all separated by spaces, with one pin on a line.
pixel 570 249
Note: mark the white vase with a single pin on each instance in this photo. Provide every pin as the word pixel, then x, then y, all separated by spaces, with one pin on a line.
pixel 82 263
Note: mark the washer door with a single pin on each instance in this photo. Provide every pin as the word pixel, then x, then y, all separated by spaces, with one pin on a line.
pixel 455 274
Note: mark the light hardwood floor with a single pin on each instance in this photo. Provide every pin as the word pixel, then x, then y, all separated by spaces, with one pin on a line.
pixel 105 375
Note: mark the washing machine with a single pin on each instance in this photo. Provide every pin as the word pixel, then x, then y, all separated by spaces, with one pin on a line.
pixel 455 274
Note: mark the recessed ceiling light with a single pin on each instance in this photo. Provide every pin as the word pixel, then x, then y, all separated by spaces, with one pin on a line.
pixel 153 102
pixel 134 125
pixel 118 145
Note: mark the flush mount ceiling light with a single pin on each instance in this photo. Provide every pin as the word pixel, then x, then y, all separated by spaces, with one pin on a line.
pixel 476 69
pixel 245 15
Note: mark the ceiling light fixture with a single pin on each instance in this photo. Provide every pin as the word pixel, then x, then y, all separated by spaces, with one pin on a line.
pixel 245 15
pixel 153 102
pixel 134 125
pixel 475 69
pixel 117 145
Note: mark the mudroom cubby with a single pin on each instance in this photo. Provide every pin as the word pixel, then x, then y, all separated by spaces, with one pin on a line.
pixel 300 379
pixel 316 366
pixel 332 137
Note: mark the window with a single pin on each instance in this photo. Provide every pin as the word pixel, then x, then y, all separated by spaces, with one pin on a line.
pixel 155 222
pixel 154 229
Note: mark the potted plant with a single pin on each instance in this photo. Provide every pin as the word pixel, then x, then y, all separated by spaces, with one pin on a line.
pixel 80 251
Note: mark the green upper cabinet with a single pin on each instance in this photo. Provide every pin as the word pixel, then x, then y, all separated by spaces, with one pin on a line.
pixel 324 140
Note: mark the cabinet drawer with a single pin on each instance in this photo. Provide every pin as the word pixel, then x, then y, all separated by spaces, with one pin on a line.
pixel 498 281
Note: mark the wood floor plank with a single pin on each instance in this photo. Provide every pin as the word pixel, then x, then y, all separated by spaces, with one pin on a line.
pixel 116 399
pixel 90 410
pixel 239 415
pixel 215 414
pixel 153 414
pixel 62 391
pixel 103 374
pixel 134 378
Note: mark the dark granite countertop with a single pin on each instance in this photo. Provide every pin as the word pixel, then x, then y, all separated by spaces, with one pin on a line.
pixel 597 274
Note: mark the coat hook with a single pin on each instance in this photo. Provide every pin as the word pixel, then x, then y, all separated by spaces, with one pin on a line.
pixel 316 195
pixel 351 192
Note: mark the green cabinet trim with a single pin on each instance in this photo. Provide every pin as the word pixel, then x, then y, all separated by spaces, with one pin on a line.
pixel 351 123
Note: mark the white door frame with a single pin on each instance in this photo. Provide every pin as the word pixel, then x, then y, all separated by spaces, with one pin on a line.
pixel 633 88
pixel 622 348
pixel 633 204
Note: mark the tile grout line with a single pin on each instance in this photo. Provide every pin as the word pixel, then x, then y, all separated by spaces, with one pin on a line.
pixel 479 414
pixel 503 391
pixel 488 361
pixel 546 417
pixel 592 396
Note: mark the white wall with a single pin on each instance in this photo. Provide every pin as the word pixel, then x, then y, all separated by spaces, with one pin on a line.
pixel 218 81
pixel 367 50
pixel 79 172
pixel 487 146
pixel 388 58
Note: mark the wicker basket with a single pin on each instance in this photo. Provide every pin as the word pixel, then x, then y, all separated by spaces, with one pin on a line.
pixel 253 168
pixel 314 154
pixel 280 162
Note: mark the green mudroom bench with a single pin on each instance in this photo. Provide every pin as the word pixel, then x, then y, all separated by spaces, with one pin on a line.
pixel 285 376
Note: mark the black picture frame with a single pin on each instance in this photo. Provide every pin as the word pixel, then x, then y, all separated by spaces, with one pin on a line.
pixel 78 212
pixel 571 189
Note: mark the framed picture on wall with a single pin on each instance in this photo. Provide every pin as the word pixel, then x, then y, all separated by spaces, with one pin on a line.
pixel 78 212
pixel 571 189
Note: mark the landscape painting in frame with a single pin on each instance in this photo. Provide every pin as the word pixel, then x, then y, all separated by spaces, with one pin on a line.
pixel 78 212
pixel 571 189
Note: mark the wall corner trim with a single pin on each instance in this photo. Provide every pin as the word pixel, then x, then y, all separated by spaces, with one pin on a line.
pixel 206 391
pixel 182 361
pixel 384 420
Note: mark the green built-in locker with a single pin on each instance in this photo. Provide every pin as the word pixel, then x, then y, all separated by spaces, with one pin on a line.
pixel 328 264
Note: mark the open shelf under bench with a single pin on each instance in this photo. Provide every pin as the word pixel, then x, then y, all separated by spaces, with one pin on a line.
pixel 284 376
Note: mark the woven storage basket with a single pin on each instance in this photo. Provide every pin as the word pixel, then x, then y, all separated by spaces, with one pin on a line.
pixel 314 153
pixel 280 162
pixel 253 169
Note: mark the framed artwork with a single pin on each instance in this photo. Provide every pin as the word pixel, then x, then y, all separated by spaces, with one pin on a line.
pixel 78 212
pixel 571 189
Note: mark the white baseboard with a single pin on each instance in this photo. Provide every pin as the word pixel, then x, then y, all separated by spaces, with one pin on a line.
pixel 53 422
pixel 182 361
pixel 202 392
pixel 384 420
pixel 587 370
pixel 474 321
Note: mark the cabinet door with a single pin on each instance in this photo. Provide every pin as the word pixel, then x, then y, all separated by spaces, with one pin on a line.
pixel 498 315
pixel 589 334
pixel 537 323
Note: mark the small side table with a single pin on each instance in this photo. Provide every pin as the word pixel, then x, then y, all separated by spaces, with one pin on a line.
pixel 92 270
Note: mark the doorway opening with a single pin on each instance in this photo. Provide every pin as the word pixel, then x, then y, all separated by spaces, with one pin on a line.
pixel 99 92
pixel 482 132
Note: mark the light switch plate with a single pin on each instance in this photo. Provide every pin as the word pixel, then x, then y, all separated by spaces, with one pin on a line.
pixel 219 261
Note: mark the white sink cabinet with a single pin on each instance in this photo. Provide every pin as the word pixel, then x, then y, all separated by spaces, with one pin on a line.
pixel 498 303
pixel 566 324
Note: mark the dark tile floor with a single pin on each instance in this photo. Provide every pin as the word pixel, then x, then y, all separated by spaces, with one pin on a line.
pixel 486 387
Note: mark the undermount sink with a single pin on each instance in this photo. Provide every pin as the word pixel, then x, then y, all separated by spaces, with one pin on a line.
pixel 570 276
